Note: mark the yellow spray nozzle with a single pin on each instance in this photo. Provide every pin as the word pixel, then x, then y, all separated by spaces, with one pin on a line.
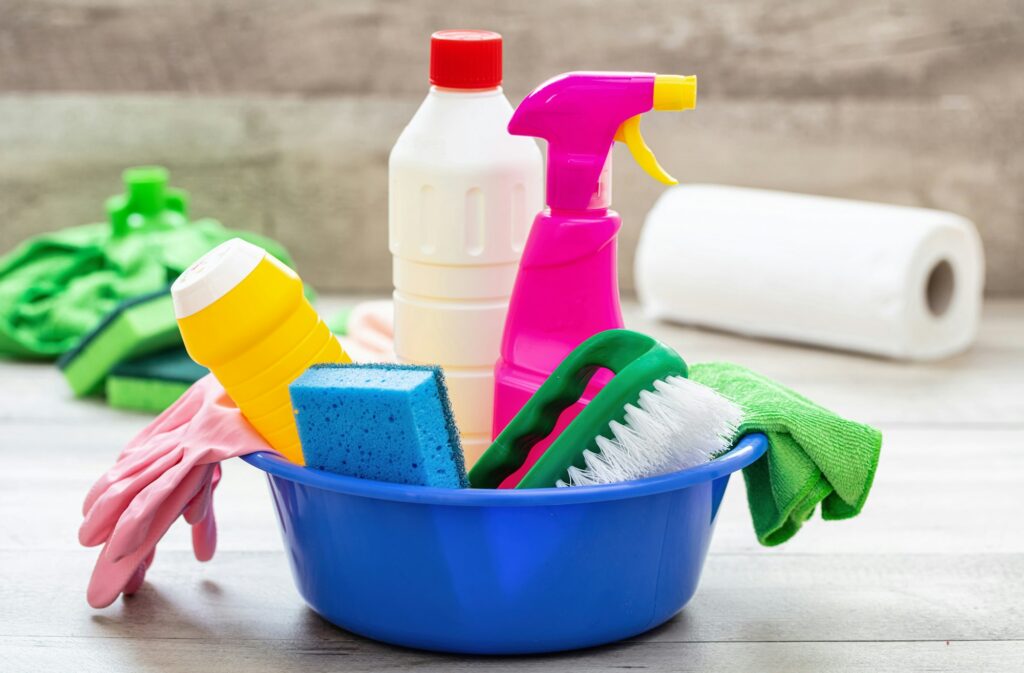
pixel 671 92
pixel 675 92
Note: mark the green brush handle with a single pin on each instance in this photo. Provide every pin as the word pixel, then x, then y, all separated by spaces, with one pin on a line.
pixel 635 359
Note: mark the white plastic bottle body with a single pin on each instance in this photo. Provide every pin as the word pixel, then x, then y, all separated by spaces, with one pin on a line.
pixel 461 196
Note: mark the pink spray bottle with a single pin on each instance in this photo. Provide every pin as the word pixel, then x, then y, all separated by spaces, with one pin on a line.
pixel 567 286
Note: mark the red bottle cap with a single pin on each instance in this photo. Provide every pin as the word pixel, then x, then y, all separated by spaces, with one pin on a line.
pixel 465 59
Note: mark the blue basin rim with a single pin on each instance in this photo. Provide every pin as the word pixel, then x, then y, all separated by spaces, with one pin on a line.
pixel 747 450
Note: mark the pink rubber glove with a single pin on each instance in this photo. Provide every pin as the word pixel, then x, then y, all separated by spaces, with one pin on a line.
pixel 169 469
pixel 371 332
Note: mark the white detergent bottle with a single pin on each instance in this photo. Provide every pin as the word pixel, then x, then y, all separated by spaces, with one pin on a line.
pixel 461 196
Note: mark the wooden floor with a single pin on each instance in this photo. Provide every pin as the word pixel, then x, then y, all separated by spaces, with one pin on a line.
pixel 930 577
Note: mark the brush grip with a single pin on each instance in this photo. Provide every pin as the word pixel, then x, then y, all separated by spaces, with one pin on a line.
pixel 635 359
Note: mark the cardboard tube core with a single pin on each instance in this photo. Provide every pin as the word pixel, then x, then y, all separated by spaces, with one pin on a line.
pixel 939 288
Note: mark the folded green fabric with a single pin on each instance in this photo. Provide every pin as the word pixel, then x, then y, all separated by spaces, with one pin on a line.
pixel 56 287
pixel 814 456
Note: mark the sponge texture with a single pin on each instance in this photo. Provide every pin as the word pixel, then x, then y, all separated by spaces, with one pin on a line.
pixel 382 422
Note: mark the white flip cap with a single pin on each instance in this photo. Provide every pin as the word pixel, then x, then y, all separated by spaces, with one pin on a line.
pixel 214 275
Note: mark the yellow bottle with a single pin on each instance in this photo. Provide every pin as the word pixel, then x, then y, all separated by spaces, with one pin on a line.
pixel 242 315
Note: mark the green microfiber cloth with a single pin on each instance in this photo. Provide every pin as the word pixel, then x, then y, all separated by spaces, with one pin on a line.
pixel 814 456
pixel 135 327
pixel 56 287
pixel 152 382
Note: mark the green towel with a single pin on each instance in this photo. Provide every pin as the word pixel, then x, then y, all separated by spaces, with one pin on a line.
pixel 814 456
pixel 56 287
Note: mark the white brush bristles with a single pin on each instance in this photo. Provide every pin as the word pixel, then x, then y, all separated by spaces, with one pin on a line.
pixel 681 425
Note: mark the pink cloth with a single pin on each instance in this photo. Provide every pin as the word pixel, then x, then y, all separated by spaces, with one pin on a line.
pixel 169 469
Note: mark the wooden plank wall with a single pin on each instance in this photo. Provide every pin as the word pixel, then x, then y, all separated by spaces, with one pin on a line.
pixel 278 114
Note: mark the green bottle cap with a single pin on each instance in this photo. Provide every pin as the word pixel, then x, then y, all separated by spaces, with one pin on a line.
pixel 148 203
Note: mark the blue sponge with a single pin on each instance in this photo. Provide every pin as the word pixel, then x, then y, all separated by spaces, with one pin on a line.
pixel 383 422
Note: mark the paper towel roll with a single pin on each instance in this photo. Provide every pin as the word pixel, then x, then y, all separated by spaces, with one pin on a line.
pixel 889 280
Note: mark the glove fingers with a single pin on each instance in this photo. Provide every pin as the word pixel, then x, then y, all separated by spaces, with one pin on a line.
pixel 112 574
pixel 133 507
pixel 108 580
pixel 130 463
pixel 204 536
pixel 127 466
pixel 197 508
pixel 137 469
pixel 225 431
pixel 111 506
pixel 148 459
pixel 228 434
pixel 204 533
pixel 204 499
pixel 168 496
pixel 139 576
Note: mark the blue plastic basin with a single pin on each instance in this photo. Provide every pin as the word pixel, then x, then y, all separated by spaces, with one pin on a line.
pixel 499 572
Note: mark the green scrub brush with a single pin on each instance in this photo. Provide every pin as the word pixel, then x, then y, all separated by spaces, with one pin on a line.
pixel 649 419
